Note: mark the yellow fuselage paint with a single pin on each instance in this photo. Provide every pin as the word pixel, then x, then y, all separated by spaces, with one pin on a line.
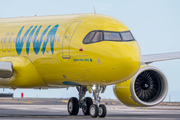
pixel 101 63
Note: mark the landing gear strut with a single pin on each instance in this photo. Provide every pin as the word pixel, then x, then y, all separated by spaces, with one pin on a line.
pixel 96 109
pixel 88 108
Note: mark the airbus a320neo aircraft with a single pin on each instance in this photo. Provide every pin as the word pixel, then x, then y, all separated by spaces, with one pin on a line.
pixel 86 51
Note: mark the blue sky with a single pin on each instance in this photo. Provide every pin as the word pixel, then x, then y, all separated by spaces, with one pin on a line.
pixel 154 23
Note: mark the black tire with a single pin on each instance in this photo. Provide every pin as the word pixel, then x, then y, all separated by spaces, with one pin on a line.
pixel 88 102
pixel 102 110
pixel 73 106
pixel 94 110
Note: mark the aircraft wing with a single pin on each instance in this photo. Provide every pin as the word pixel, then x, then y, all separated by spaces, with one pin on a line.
pixel 160 57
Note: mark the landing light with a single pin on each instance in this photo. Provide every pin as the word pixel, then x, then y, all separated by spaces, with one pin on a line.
pixel 94 87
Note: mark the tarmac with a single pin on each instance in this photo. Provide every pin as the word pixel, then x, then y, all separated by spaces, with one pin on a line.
pixel 53 108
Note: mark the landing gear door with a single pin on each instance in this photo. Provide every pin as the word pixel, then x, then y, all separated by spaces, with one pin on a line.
pixel 67 39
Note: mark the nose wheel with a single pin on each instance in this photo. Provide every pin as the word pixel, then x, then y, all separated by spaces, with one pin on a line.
pixel 94 110
pixel 102 110
pixel 88 108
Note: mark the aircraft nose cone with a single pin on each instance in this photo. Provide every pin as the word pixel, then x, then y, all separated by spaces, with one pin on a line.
pixel 129 57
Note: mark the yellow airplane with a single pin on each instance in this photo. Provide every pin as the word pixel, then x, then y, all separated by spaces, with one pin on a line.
pixel 86 51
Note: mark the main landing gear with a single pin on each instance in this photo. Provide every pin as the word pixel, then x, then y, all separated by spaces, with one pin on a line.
pixel 88 108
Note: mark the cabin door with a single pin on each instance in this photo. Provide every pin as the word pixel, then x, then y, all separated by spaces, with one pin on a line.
pixel 67 39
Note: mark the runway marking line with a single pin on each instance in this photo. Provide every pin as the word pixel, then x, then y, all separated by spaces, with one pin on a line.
pixel 66 101
pixel 15 100
pixel 125 118
pixel 110 100
pixel 131 118
pixel 44 116
pixel 114 108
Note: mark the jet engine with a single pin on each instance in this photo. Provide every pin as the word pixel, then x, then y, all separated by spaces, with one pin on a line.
pixel 6 70
pixel 148 87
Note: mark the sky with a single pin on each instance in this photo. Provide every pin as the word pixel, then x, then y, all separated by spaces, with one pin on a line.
pixel 155 24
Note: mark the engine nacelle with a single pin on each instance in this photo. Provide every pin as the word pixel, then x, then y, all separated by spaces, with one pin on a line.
pixel 148 87
pixel 6 70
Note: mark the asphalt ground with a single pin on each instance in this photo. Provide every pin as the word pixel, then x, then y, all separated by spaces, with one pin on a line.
pixel 49 109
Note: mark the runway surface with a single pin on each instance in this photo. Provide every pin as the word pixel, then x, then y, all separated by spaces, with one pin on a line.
pixel 57 109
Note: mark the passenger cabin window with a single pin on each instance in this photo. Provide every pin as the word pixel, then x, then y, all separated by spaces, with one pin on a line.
pixel 27 39
pixel 17 39
pixel 52 39
pixel 20 39
pixel 55 39
pixel 24 39
pixel 6 37
pixel 42 38
pixel 5 40
pixel 58 38
pixel 14 39
pixel 45 39
pixel 49 39
pixel 36 39
pixel 9 40
pixel 30 39
pixel 97 36
pixel 1 40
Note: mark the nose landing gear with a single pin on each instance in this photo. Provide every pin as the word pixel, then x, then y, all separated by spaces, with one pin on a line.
pixel 88 108
pixel 102 110
pixel 96 109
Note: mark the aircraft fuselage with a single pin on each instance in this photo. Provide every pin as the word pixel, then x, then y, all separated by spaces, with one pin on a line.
pixel 56 47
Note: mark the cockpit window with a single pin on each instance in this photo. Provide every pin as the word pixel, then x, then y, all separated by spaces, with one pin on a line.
pixel 112 36
pixel 97 36
pixel 89 37
pixel 127 36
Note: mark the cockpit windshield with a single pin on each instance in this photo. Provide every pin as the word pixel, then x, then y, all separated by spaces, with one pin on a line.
pixel 97 36
pixel 112 36
pixel 127 36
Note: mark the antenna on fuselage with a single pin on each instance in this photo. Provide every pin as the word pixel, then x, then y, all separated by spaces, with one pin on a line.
pixel 94 10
